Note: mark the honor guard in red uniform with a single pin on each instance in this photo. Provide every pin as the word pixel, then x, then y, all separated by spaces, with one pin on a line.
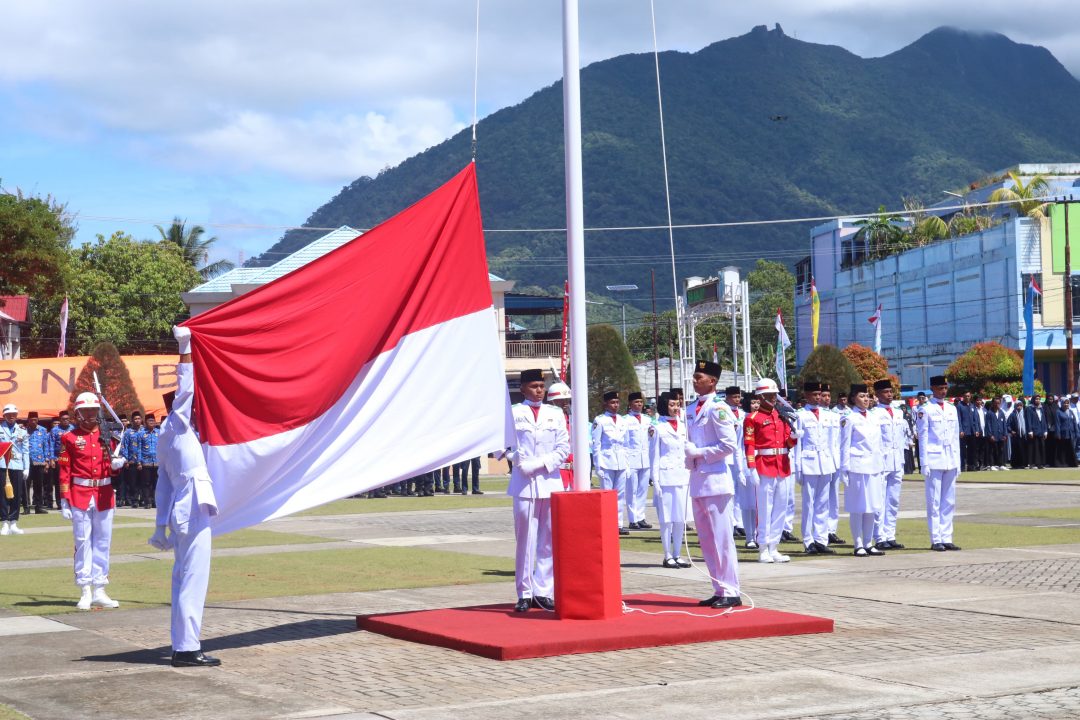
pixel 87 499
pixel 768 441
pixel 559 396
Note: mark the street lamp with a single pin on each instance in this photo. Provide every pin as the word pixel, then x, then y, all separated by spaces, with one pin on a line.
pixel 622 288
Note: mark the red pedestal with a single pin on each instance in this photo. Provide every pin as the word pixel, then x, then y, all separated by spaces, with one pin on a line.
pixel 585 545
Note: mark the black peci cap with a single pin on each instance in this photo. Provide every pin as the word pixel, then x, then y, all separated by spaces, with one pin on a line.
pixel 528 376
pixel 883 384
pixel 611 395
pixel 709 368
pixel 634 396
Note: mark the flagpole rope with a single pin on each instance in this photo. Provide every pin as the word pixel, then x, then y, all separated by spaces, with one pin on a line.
pixel 476 79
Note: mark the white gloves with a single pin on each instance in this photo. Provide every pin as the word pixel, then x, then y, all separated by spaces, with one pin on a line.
pixel 159 539
pixel 183 339
pixel 530 466
pixel 693 451
pixel 65 510
pixel 511 456
pixel 118 463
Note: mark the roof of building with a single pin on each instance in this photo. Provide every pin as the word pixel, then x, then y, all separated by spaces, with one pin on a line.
pixel 263 275
pixel 16 307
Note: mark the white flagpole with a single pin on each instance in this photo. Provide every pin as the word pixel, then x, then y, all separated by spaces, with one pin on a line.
pixel 575 247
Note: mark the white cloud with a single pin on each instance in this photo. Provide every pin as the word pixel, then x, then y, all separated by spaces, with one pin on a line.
pixel 326 147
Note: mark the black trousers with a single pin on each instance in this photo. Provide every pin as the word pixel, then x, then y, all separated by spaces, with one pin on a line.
pixel 40 487
pixel 995 452
pixel 965 448
pixel 461 475
pixel 1036 446
pixel 976 452
pixel 9 509
pixel 1019 451
pixel 147 485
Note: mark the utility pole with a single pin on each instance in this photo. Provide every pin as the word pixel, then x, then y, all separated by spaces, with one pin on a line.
pixel 671 357
pixel 655 340
pixel 1070 375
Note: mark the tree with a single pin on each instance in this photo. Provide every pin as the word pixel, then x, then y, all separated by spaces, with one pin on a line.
pixel 124 291
pixel 115 380
pixel 772 286
pixel 925 228
pixel 989 369
pixel 610 366
pixel 883 234
pixel 870 365
pixel 34 238
pixel 827 364
pixel 194 247
pixel 1024 199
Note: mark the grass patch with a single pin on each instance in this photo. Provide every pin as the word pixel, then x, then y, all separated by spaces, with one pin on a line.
pixel 7 713
pixel 48 591
pixel 910 532
pixel 1049 476
pixel 54 519
pixel 360 506
pixel 133 540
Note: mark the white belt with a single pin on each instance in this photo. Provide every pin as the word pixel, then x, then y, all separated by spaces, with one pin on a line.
pixel 87 482
pixel 773 451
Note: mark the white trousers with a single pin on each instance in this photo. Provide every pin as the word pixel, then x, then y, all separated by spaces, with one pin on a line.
pixel 712 517
pixel 885 522
pixel 534 570
pixel 637 493
pixel 736 502
pixel 671 503
pixel 746 493
pixel 862 529
pixel 940 503
pixel 815 508
pixel 772 501
pixel 789 511
pixel 834 503
pixel 190 577
pixel 615 480
pixel 92 529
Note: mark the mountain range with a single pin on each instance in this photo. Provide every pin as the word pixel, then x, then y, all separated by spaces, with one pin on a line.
pixel 758 127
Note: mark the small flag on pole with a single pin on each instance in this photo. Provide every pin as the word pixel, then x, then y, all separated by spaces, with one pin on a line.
pixel 1028 375
pixel 815 311
pixel 875 320
pixel 715 356
pixel 782 344
pixel 63 328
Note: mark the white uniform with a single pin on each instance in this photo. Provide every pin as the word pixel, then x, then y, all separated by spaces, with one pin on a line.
pixel 745 505
pixel 185 503
pixel 637 464
pixel 671 479
pixel 860 465
pixel 937 425
pixel 542 446
pixel 816 461
pixel 834 486
pixel 895 436
pixel 710 443
pixel 609 454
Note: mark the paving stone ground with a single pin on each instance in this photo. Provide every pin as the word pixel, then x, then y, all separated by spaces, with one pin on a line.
pixel 979 634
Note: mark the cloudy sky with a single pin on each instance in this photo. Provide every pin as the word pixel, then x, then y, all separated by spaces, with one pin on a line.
pixel 244 117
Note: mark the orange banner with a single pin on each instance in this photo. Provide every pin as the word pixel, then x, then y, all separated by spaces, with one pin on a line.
pixel 45 384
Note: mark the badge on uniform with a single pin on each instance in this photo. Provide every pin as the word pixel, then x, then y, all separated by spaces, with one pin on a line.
pixel 80 442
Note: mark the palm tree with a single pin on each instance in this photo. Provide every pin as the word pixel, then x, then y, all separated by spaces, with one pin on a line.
pixel 882 233
pixel 195 249
pixel 925 228
pixel 1024 199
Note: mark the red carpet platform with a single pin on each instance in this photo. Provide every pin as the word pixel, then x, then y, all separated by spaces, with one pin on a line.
pixel 496 631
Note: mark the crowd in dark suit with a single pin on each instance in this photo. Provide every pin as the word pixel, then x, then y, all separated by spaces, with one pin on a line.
pixel 998 434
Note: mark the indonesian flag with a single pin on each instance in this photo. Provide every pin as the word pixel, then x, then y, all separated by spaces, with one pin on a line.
pixel 875 320
pixel 63 329
pixel 1035 286
pixel 372 364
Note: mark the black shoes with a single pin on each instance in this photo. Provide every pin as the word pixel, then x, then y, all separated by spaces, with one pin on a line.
pixel 835 539
pixel 682 563
pixel 811 549
pixel 642 525
pixel 875 551
pixel 788 537
pixel 544 603
pixel 950 546
pixel 740 533
pixel 477 492
pixel 707 602
pixel 824 549
pixel 938 547
pixel 670 563
pixel 895 545
pixel 193 658
pixel 624 531
pixel 727 602
pixel 40 511
pixel 751 545
pixel 523 605
pixel 861 552
pixel 883 545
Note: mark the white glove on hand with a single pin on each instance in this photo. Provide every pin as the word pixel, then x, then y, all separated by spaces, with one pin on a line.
pixel 159 539
pixel 530 466
pixel 118 463
pixel 183 339
pixel 65 510
pixel 693 451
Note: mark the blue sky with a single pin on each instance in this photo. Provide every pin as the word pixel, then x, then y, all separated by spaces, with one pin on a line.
pixel 244 117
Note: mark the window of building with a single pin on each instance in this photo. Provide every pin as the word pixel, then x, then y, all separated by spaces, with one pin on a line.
pixel 802 276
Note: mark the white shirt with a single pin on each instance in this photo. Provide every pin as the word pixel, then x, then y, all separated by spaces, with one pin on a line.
pixel 541 447
pixel 939 436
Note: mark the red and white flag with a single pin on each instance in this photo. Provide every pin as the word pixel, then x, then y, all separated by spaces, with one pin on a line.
pixel 372 364
pixel 63 329
pixel 875 320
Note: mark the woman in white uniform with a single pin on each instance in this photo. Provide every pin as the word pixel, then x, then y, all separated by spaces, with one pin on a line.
pixel 670 478
pixel 861 469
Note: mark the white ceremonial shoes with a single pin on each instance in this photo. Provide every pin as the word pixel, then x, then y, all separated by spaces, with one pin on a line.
pixel 765 556
pixel 5 529
pixel 776 556
pixel 103 600
pixel 16 530
pixel 85 600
